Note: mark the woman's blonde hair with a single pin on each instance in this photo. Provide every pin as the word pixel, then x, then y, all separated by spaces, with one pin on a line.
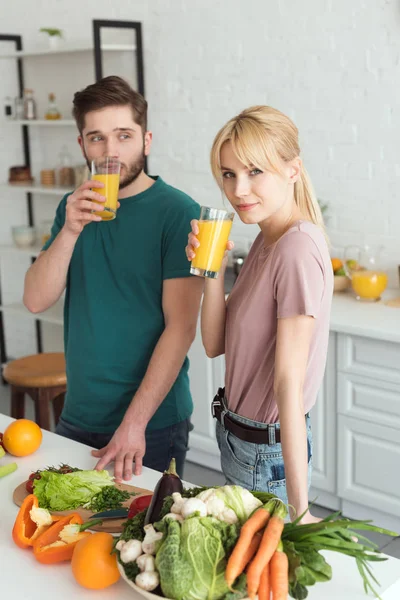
pixel 261 137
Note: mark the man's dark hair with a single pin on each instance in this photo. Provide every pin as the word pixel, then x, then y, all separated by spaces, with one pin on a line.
pixel 109 91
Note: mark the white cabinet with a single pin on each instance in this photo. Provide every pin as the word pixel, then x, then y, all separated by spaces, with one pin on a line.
pixel 323 423
pixel 368 443
pixel 206 375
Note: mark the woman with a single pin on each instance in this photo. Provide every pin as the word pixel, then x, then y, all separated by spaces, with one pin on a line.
pixel 274 327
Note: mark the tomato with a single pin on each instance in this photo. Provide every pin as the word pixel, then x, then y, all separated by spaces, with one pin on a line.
pixel 29 483
pixel 139 504
pixel 1 441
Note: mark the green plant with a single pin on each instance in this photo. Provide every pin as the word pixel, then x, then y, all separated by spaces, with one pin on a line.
pixel 324 207
pixel 51 31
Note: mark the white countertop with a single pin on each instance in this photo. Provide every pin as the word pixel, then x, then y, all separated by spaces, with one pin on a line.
pixel 23 578
pixel 368 319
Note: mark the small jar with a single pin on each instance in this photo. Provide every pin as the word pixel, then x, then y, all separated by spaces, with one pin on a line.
pixel 65 172
pixel 52 112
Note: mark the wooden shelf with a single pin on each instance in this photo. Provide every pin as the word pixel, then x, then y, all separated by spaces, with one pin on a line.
pixel 42 122
pixel 12 249
pixel 53 315
pixel 36 188
pixel 65 49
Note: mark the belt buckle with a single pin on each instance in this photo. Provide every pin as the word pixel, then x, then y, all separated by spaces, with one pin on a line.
pixel 215 403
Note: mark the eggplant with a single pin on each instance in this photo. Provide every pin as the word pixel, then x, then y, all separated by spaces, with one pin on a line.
pixel 169 483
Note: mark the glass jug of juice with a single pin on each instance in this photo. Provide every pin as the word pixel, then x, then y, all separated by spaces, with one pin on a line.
pixel 363 265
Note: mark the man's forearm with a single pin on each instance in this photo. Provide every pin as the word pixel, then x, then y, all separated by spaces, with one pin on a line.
pixel 46 279
pixel 161 374
pixel 295 454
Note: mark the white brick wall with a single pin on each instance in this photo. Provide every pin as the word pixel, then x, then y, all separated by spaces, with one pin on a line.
pixel 332 65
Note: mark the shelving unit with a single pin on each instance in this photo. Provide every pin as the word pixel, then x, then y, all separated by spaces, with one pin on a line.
pixel 43 122
pixel 67 50
pixel 51 190
pixel 55 314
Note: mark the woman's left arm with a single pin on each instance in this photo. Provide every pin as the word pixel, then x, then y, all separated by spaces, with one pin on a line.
pixel 292 349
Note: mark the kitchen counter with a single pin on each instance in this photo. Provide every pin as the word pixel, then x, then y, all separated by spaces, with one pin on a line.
pixel 23 578
pixel 368 319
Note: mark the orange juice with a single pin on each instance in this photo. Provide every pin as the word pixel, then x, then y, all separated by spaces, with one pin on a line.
pixel 110 191
pixel 369 285
pixel 213 236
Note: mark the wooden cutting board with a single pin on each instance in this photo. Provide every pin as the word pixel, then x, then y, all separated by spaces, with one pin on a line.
pixel 108 525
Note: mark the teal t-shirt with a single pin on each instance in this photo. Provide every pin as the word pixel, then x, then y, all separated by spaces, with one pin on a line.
pixel 113 314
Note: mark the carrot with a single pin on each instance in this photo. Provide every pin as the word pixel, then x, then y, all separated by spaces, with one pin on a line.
pixel 264 590
pixel 243 551
pixel 279 575
pixel 269 543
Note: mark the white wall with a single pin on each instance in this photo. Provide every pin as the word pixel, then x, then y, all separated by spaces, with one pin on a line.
pixel 332 65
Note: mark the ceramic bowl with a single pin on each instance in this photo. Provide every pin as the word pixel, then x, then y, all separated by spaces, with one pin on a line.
pixel 24 236
pixel 148 595
pixel 341 283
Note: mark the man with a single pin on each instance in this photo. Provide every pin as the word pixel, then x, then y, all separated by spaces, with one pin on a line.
pixel 131 305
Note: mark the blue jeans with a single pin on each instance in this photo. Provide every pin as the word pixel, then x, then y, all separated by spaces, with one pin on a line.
pixel 161 445
pixel 257 467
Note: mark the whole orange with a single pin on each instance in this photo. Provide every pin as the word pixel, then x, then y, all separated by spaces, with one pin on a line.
pixel 22 437
pixel 92 564
pixel 336 264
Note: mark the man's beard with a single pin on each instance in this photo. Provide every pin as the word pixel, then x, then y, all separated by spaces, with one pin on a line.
pixel 132 171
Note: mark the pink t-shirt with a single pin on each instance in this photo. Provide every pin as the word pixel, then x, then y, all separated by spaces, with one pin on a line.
pixel 291 277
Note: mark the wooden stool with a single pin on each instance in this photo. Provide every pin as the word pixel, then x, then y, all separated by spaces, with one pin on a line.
pixel 43 378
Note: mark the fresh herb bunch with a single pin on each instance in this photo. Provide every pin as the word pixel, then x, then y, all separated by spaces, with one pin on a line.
pixel 109 498
pixel 302 544
pixel 62 469
pixel 133 528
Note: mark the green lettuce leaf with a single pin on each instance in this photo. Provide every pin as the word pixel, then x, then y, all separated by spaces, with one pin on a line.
pixel 70 490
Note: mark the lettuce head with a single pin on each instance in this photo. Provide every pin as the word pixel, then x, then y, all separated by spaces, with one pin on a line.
pixel 56 491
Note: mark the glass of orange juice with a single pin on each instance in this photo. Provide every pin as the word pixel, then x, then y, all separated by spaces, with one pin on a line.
pixel 214 228
pixel 106 170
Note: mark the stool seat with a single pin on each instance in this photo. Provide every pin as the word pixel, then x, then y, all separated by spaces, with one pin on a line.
pixel 37 371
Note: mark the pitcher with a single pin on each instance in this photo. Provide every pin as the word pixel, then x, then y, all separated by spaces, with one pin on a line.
pixel 363 266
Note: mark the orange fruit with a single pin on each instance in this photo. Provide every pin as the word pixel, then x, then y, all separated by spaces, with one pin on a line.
pixel 336 264
pixel 22 437
pixel 92 564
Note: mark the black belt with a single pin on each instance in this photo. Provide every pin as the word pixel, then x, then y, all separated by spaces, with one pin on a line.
pixel 271 435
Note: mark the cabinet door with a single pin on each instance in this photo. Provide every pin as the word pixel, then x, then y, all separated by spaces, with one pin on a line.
pixel 203 447
pixel 368 464
pixel 323 422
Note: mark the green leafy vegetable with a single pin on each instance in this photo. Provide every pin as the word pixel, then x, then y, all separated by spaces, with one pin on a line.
pixel 67 491
pixel 193 556
pixel 131 570
pixel 302 544
pixel 176 571
pixel 109 497
pixel 133 528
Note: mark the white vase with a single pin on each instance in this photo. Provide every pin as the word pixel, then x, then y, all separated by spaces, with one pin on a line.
pixel 54 42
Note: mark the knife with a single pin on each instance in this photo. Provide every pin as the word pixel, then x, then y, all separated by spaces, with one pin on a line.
pixel 118 513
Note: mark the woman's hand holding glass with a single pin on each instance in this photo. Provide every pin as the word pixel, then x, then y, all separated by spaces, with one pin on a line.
pixel 194 243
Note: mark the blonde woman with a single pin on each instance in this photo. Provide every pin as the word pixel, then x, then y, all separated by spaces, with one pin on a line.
pixel 274 327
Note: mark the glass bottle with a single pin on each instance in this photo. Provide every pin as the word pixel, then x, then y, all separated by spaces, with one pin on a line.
pixel 19 108
pixel 65 172
pixel 29 105
pixel 52 112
